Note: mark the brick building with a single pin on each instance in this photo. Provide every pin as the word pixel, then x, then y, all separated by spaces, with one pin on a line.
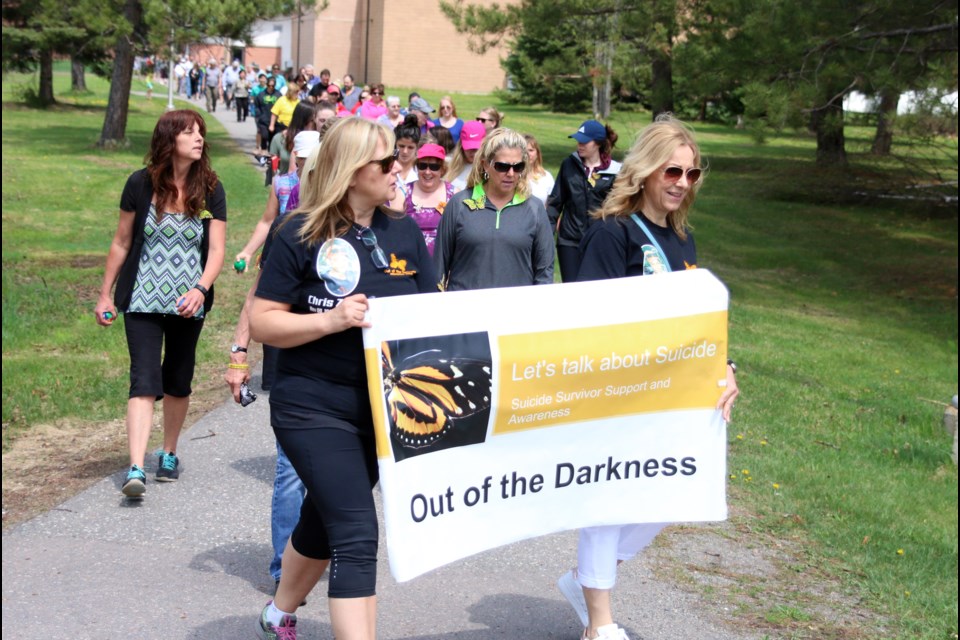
pixel 402 43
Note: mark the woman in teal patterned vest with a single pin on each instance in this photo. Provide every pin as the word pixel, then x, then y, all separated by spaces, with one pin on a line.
pixel 166 253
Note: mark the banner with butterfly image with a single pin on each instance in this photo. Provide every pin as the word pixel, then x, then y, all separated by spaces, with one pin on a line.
pixel 505 414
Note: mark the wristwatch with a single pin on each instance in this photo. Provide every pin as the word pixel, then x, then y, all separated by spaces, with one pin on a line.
pixel 235 348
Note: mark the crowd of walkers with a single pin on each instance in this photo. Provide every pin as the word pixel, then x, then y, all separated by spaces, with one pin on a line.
pixel 370 199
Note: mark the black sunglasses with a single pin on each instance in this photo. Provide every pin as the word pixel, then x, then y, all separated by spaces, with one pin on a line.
pixel 376 93
pixel 675 173
pixel 479 119
pixel 503 167
pixel 432 166
pixel 369 240
pixel 386 164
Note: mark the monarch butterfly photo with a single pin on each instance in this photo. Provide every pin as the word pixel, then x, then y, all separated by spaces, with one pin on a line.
pixel 428 393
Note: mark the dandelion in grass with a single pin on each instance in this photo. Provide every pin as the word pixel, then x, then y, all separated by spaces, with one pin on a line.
pixel 739 436
pixel 745 472
pixel 899 552
pixel 776 486
pixel 764 442
pixel 733 476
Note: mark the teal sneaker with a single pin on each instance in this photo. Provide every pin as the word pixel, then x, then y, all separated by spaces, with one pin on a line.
pixel 168 469
pixel 286 630
pixel 136 483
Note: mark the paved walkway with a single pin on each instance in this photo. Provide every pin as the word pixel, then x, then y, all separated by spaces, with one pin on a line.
pixel 190 560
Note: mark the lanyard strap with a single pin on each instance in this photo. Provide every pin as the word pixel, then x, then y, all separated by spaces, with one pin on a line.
pixel 656 245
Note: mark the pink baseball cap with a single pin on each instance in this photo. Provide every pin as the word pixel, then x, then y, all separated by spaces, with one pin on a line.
pixel 471 135
pixel 431 151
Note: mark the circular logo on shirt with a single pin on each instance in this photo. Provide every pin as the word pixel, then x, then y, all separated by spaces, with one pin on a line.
pixel 653 262
pixel 338 265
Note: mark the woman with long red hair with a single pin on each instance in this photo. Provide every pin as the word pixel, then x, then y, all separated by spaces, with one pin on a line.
pixel 165 256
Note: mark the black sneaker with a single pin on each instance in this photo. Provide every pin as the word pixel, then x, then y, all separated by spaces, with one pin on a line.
pixel 169 468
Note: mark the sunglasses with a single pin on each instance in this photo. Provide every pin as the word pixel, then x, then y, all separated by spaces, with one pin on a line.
pixel 386 164
pixel 479 119
pixel 376 93
pixel 432 166
pixel 503 167
pixel 369 240
pixel 675 173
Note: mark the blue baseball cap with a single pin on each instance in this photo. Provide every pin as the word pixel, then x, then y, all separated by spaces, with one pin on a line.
pixel 590 130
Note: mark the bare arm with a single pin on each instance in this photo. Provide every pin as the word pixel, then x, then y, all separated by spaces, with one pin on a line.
pixel 275 324
pixel 241 337
pixel 119 248
pixel 259 235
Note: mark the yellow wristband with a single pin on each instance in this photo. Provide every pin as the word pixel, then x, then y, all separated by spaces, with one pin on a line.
pixel 237 366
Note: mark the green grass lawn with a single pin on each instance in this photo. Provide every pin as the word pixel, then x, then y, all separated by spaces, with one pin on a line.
pixel 843 322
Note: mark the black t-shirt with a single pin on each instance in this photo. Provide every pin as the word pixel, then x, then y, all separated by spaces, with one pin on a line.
pixel 327 378
pixel 618 247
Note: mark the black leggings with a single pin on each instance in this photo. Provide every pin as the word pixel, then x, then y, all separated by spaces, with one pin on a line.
pixel 149 334
pixel 243 108
pixel 569 259
pixel 338 520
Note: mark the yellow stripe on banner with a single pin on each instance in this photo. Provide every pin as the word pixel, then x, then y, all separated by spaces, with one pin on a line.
pixel 556 377
pixel 375 389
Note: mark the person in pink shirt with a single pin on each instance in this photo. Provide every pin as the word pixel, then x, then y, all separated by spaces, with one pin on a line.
pixel 375 107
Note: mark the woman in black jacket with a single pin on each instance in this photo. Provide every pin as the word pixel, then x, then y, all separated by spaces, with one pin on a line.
pixel 164 258
pixel 583 182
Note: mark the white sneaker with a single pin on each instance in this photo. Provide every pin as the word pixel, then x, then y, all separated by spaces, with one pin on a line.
pixel 573 592
pixel 611 632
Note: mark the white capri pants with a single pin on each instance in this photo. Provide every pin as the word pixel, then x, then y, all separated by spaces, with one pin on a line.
pixel 601 547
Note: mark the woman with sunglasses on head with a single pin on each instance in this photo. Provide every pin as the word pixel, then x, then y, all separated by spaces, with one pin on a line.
pixel 408 139
pixel 493 234
pixel 448 118
pixel 490 118
pixel 460 168
pixel 326 259
pixel 640 230
pixel 165 256
pixel 583 182
pixel 428 196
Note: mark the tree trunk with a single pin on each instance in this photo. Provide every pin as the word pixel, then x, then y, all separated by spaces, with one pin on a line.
pixel 827 121
pixel 78 79
pixel 883 141
pixel 118 104
pixel 661 87
pixel 45 93
pixel 602 86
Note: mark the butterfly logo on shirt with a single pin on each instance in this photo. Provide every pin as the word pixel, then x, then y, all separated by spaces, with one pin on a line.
pixel 427 391
pixel 398 267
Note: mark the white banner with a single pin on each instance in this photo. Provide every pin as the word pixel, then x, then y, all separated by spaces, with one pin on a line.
pixel 504 414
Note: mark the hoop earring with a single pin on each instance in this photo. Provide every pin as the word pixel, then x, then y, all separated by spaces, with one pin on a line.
pixel 486 176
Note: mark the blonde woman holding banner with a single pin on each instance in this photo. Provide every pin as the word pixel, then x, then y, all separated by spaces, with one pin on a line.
pixel 640 230
pixel 338 249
